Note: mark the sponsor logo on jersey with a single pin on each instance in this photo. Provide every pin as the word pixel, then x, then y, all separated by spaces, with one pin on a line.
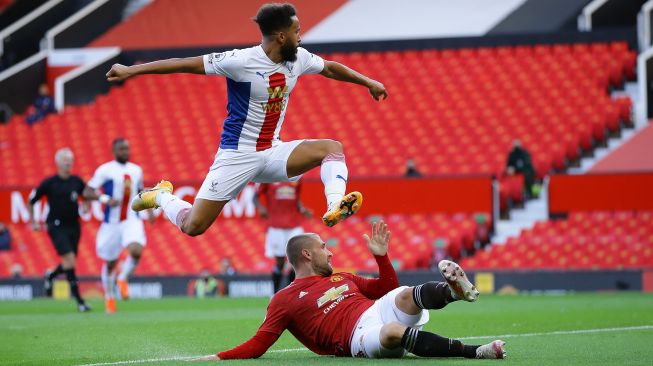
pixel 334 293
pixel 302 294
pixel 276 101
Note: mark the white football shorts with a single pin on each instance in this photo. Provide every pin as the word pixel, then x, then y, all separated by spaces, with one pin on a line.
pixel 276 240
pixel 366 341
pixel 233 169
pixel 113 237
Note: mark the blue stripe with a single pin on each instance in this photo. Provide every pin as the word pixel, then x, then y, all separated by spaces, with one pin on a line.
pixel 107 187
pixel 237 105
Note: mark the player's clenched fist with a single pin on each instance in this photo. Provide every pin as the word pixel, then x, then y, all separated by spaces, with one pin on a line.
pixel 118 72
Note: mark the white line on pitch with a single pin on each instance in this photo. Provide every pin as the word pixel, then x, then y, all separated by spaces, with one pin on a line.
pixel 557 332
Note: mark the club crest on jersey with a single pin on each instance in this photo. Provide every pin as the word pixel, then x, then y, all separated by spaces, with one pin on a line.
pixel 332 294
pixel 336 278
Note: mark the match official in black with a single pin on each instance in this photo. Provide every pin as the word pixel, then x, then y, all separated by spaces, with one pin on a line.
pixel 62 191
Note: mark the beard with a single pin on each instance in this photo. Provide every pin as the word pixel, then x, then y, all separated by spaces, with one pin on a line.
pixel 288 52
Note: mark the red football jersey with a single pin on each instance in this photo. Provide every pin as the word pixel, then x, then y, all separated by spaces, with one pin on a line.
pixel 282 199
pixel 321 312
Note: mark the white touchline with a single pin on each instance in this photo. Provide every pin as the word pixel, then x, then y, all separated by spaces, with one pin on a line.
pixel 557 332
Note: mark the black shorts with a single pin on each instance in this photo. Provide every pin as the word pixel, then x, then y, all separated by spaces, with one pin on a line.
pixel 65 238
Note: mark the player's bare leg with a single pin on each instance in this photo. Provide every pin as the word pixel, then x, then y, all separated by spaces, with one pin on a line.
pixel 192 219
pixel 329 154
pixel 128 266
pixel 108 276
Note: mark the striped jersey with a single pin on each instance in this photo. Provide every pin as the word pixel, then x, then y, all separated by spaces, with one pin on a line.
pixel 258 91
pixel 121 182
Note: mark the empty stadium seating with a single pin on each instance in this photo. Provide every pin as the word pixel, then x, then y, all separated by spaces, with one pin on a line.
pixel 170 252
pixel 586 240
pixel 453 111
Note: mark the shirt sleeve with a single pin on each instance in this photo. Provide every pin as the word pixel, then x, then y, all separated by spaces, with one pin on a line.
pixel 310 63
pixel 41 190
pixel 375 288
pixel 223 63
pixel 274 324
pixel 80 185
pixel 99 177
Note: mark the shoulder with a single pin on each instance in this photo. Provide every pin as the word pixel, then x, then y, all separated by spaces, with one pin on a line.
pixel 237 55
pixel 105 166
pixel 78 179
pixel 305 55
pixel 134 167
pixel 47 181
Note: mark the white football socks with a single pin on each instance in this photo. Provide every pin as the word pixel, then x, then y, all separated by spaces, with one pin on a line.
pixel 172 206
pixel 128 267
pixel 108 282
pixel 334 176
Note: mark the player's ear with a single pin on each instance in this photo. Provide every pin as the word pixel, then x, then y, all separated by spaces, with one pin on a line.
pixel 281 37
pixel 306 253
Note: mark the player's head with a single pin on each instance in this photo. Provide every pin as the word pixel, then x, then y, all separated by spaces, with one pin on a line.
pixel 279 24
pixel 63 158
pixel 309 251
pixel 120 148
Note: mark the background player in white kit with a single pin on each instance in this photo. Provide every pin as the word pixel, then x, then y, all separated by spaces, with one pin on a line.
pixel 259 82
pixel 115 184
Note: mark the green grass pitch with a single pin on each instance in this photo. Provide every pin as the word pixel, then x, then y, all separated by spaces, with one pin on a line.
pixel 539 329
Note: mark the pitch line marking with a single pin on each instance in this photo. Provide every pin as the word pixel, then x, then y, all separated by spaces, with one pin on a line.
pixel 557 332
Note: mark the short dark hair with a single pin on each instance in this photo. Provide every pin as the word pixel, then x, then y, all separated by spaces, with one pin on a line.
pixel 118 140
pixel 274 17
pixel 295 246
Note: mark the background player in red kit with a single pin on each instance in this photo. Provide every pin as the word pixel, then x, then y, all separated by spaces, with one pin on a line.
pixel 336 314
pixel 284 211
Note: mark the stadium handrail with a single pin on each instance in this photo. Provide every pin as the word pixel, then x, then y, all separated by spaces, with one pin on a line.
pixel 26 20
pixel 59 84
pixel 585 17
pixel 644 25
pixel 51 34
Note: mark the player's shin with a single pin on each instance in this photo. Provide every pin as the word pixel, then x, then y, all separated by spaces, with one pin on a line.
pixel 108 281
pixel 74 287
pixel 127 268
pixel 173 207
pixel 425 344
pixel 432 295
pixel 334 175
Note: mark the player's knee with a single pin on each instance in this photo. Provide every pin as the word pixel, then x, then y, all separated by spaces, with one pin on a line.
pixel 333 146
pixel 405 296
pixel 391 335
pixel 193 227
pixel 135 250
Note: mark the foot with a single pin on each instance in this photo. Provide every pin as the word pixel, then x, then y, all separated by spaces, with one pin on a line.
pixel 47 284
pixel 147 198
pixel 123 287
pixel 461 288
pixel 494 349
pixel 82 307
pixel 348 206
pixel 110 306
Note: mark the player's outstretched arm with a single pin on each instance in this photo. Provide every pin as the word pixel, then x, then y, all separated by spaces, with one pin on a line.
pixel 387 281
pixel 189 65
pixel 338 71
